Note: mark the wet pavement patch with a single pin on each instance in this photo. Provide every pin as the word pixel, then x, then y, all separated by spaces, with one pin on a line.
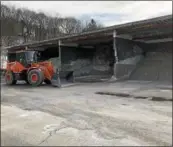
pixel 126 95
pixel 140 97
pixel 154 98
pixel 123 94
pixel 125 104
pixel 106 93
pixel 114 94
pixel 27 109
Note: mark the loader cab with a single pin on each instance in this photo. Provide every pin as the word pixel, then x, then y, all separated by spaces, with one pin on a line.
pixel 24 57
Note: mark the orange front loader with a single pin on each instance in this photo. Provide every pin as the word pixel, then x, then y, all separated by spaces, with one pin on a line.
pixel 25 66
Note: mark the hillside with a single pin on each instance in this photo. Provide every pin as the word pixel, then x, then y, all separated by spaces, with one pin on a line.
pixel 22 25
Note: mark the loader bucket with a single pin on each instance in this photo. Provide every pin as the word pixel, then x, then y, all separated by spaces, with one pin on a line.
pixel 56 80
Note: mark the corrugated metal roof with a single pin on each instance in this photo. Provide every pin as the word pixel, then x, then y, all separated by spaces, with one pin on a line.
pixel 122 28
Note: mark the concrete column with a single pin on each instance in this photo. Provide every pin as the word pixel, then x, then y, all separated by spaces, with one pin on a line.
pixel 114 46
pixel 59 50
pixel 115 55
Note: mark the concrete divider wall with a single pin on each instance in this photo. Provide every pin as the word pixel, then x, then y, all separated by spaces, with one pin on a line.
pixel 130 54
pixel 125 68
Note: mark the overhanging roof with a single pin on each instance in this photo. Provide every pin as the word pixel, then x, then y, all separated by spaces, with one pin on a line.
pixel 145 29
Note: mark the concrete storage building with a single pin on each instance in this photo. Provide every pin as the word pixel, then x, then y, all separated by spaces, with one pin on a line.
pixel 139 50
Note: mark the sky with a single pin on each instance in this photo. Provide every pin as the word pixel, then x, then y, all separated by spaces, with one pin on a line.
pixel 106 12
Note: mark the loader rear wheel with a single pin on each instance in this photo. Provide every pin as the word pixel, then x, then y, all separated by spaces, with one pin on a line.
pixel 10 78
pixel 35 77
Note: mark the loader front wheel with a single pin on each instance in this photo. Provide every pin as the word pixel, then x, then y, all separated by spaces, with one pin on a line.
pixel 35 77
pixel 10 78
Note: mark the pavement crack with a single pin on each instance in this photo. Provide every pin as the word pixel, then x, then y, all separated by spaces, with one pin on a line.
pixel 45 140
pixel 51 133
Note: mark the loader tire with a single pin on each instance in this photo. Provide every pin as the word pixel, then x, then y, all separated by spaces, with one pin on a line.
pixel 10 78
pixel 35 77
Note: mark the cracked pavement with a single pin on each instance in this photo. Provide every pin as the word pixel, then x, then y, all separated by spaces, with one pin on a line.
pixel 76 116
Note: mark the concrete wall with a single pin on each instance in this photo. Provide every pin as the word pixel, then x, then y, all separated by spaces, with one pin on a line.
pixel 130 54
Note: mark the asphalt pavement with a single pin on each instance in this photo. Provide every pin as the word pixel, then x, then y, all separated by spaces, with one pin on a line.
pixel 75 115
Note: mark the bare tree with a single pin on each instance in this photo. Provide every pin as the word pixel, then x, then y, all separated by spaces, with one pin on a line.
pixel 92 25
pixel 70 25
pixel 5 11
pixel 27 25
pixel 26 18
pixel 53 27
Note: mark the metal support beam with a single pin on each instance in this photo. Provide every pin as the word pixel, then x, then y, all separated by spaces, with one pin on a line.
pixel 69 44
pixel 59 51
pixel 114 46
pixel 159 40
pixel 124 36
